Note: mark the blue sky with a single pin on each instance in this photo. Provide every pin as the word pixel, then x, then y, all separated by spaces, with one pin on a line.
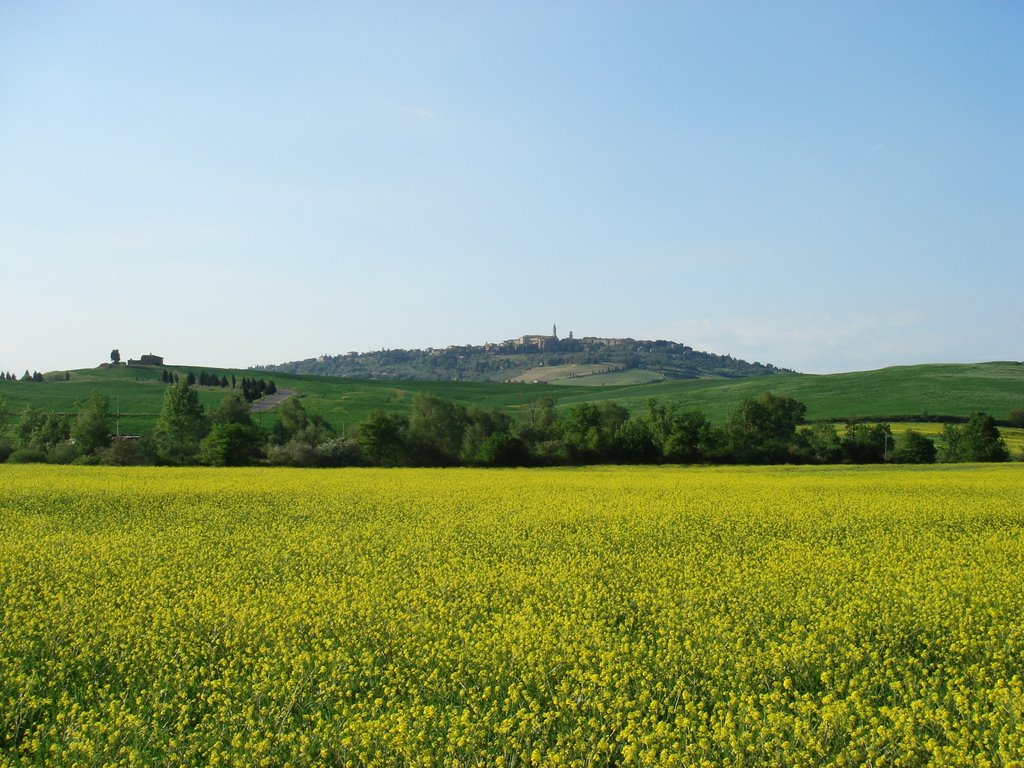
pixel 823 186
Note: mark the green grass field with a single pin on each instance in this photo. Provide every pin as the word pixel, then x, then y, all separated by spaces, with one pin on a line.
pixel 138 392
pixel 546 374
pixel 629 377
pixel 937 390
pixel 597 375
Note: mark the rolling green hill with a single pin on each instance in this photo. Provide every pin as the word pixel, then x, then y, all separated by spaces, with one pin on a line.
pixel 891 393
pixel 531 358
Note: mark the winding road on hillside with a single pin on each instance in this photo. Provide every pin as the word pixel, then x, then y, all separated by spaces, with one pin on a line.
pixel 267 402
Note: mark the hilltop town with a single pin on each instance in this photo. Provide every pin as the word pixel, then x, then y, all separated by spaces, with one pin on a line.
pixel 534 358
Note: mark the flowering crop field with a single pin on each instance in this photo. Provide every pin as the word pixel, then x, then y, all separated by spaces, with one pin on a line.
pixel 602 616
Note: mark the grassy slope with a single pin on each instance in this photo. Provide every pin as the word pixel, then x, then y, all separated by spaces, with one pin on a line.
pixel 615 378
pixel 937 390
pixel 343 402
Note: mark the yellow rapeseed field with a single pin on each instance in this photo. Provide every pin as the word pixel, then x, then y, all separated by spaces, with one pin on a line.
pixel 570 617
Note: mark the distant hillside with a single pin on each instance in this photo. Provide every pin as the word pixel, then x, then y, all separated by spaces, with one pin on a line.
pixel 532 358
pixel 929 393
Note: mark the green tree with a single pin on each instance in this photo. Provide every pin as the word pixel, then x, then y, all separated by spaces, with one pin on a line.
pixel 592 431
pixel 115 356
pixel 982 441
pixel 502 449
pixel 914 448
pixel 436 428
pixel 181 425
pixel 232 410
pixel 93 424
pixel 822 443
pixel 688 436
pixel 540 422
pixel 292 417
pixel 763 430
pixel 977 440
pixel 5 417
pixel 231 444
pixel 481 426
pixel 1017 417
pixel 297 435
pixel 339 452
pixel 30 423
pixel 867 443
pixel 636 444
pixel 383 439
pixel 952 443
pixel 56 430
pixel 41 431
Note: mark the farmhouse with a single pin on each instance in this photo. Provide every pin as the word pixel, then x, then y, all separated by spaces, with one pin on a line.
pixel 147 360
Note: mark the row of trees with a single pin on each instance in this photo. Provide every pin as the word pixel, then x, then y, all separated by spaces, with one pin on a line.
pixel 254 389
pixel 437 432
pixel 34 376
pixel 765 430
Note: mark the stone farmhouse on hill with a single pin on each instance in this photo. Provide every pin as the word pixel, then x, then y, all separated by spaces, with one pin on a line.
pixel 150 359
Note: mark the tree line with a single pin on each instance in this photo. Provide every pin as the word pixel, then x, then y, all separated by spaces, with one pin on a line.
pixel 770 429
pixel 35 376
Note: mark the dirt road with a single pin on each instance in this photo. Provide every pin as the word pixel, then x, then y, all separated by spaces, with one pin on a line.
pixel 267 402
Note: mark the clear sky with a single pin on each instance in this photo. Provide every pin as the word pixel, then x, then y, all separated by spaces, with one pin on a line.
pixel 823 186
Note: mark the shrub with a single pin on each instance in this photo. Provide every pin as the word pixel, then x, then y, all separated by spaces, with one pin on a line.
pixel 27 456
pixel 292 454
pixel 232 445
pixel 63 453
pixel 339 452
pixel 129 453
pixel 552 452
pixel 914 448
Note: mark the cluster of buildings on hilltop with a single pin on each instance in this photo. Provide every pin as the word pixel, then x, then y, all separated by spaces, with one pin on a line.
pixel 147 360
pixel 541 341
pixel 530 341
pixel 536 340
